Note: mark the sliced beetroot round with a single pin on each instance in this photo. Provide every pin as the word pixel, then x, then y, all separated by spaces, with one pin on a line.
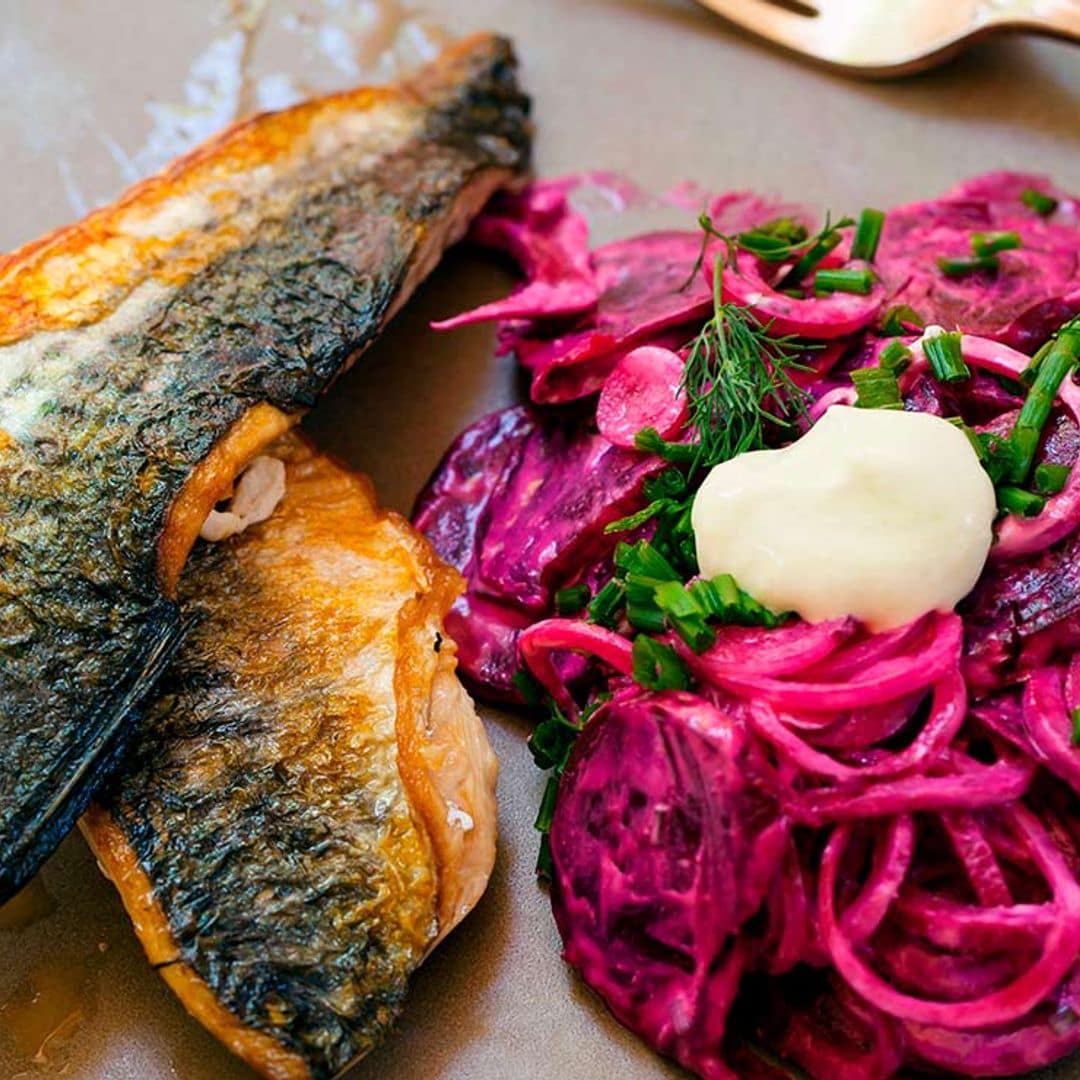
pixel 649 842
pixel 643 390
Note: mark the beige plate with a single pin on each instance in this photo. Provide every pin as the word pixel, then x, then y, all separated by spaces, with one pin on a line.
pixel 660 90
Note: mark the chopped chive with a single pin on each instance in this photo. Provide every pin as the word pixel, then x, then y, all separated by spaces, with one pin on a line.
pixel 669 484
pixel 900 320
pixel 528 686
pixel 995 454
pixel 1051 479
pixel 971 436
pixel 895 357
pixel 876 388
pixel 1027 376
pixel 1011 385
pixel 1037 201
pixel 1054 367
pixel 649 441
pixel 727 591
pixel 686 615
pixel 642 611
pixel 826 244
pixel 704 593
pixel 657 666
pixel 773 241
pixel 723 600
pixel 605 606
pixel 1015 500
pixel 867 235
pixel 1075 717
pixel 552 740
pixel 859 282
pixel 643 559
pixel 946 358
pixel 983 244
pixel 998 456
pixel 572 600
pixel 635 521
pixel 664 492
pixel 546 813
pixel 962 266
pixel 545 864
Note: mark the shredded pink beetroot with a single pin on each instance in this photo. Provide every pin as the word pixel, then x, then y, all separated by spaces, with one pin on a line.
pixel 850 854
pixel 551 245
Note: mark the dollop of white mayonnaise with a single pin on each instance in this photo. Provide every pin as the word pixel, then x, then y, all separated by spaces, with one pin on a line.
pixel 880 514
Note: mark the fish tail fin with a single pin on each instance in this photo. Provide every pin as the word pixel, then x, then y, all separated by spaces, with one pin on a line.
pixel 78 776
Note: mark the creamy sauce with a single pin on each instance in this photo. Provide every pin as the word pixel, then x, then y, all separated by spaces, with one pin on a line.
pixel 879 514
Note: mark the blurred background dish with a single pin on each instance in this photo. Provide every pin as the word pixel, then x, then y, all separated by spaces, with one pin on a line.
pixel 884 38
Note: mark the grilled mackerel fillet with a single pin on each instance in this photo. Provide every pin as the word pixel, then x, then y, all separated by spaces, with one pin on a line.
pixel 309 804
pixel 149 352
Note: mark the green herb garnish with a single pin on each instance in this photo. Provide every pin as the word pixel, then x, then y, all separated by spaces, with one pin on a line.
pixel 670 505
pixel 1042 204
pixel 685 615
pixel 877 388
pixel 642 569
pixel 985 248
pixel 822 245
pixel 657 666
pixel 775 241
pixel 649 441
pixel 900 320
pixel 1015 500
pixel 721 598
pixel 895 357
pixel 859 282
pixel 946 358
pixel 1027 376
pixel 552 739
pixel 529 687
pixel 964 265
pixel 1051 479
pixel 997 454
pixel 550 744
pixel 991 243
pixel 867 235
pixel 738 381
pixel 1055 365
pixel 571 600
pixel 1075 727
pixel 605 606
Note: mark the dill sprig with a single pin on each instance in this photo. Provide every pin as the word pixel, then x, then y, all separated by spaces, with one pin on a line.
pixel 737 381
pixel 778 241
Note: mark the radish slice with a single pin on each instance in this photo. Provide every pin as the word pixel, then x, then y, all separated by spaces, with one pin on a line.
pixel 821 318
pixel 642 391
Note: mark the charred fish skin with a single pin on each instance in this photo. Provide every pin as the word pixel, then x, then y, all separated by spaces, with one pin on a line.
pixel 135 345
pixel 263 800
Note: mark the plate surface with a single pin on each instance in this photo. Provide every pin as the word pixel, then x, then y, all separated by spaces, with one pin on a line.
pixel 658 90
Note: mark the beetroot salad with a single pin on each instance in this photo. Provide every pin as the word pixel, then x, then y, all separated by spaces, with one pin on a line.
pixel 780 848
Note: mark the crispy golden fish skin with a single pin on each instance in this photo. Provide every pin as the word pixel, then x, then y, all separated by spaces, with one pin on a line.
pixel 149 352
pixel 292 831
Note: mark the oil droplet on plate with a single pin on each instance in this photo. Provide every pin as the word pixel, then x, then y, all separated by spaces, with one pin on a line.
pixel 27 907
pixel 44 1013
